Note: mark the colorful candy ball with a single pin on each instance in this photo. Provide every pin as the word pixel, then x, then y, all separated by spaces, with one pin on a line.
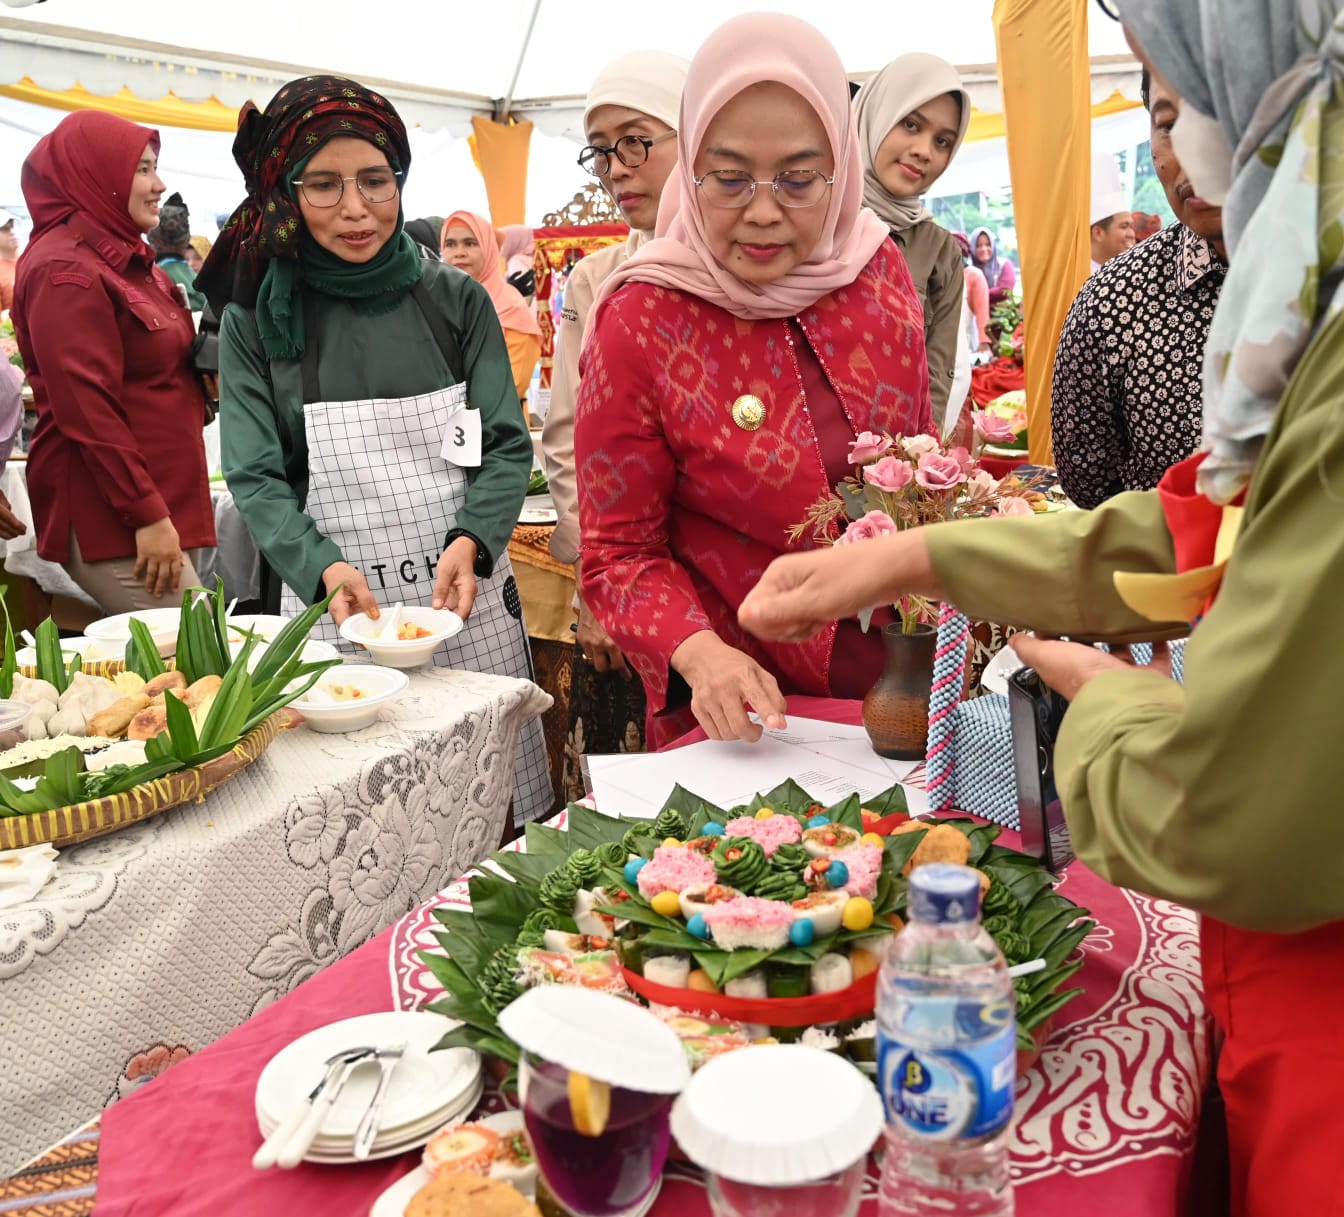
pixel 818 821
pixel 802 932
pixel 871 838
pixel 858 914
pixel 633 867
pixel 696 927
pixel 837 875
pixel 764 814
pixel 712 829
pixel 666 904
pixel 672 843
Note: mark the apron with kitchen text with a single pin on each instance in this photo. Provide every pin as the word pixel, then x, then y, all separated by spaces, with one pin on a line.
pixel 379 487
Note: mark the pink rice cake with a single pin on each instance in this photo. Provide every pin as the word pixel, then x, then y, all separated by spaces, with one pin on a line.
pixel 673 868
pixel 769 834
pixel 751 922
pixel 865 868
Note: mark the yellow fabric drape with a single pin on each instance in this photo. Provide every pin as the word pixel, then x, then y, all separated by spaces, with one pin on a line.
pixel 993 126
pixel 167 111
pixel 500 152
pixel 1045 78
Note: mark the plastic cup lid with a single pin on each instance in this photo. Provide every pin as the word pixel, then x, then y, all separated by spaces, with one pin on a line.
pixel 777 1115
pixel 606 1037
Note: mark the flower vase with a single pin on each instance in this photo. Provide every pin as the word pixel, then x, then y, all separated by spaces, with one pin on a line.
pixel 896 708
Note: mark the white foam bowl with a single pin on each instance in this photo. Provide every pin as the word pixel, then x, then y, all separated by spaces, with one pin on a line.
pixel 396 654
pixel 379 685
pixel 314 651
pixel 115 632
pixel 265 625
pixel 90 649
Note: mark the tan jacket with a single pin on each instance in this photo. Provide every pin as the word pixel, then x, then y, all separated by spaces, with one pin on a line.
pixel 1221 794
pixel 557 435
pixel 934 258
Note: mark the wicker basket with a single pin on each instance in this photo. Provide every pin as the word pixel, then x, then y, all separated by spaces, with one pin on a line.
pixel 84 821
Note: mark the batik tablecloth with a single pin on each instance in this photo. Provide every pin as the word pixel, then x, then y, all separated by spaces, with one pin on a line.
pixel 154 941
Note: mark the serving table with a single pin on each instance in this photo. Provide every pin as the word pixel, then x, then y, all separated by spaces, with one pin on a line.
pixel 1105 1120
pixel 153 942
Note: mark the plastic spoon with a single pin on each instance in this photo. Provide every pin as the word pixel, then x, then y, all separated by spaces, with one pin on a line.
pixel 392 622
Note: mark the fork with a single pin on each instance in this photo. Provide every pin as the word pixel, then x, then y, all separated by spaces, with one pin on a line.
pixel 367 1131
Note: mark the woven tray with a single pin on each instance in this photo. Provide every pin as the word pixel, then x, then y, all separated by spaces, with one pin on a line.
pixel 92 667
pixel 84 821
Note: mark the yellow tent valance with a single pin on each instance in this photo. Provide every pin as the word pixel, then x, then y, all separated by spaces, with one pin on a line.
pixel 167 111
pixel 991 126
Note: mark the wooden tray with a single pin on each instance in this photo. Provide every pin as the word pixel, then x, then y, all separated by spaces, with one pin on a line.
pixel 84 821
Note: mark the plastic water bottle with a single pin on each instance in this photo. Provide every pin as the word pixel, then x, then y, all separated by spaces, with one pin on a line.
pixel 947 1055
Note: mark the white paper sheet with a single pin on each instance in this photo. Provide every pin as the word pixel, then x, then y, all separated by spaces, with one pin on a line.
pixel 828 760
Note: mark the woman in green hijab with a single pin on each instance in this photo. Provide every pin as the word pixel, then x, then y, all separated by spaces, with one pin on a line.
pixel 370 431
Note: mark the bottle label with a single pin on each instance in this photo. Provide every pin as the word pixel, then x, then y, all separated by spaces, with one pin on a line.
pixel 962 1085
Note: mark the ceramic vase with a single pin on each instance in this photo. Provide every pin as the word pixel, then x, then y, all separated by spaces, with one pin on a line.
pixel 896 708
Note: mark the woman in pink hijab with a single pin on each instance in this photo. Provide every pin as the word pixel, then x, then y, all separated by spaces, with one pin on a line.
pixel 728 367
pixel 468 242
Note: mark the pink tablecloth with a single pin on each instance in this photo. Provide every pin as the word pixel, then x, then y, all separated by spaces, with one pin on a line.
pixel 1105 1121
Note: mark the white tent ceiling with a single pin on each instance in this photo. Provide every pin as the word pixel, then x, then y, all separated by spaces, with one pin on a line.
pixel 442 62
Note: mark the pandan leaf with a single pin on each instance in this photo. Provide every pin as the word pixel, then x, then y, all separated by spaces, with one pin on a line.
pixel 9 665
pixel 549 842
pixel 50 663
pixel 142 656
pixel 589 829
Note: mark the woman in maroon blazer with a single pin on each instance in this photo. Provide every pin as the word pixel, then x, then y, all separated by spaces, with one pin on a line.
pixel 116 472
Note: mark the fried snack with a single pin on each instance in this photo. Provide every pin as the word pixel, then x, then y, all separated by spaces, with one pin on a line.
pixel 985 881
pixel 207 686
pixel 942 843
pixel 149 722
pixel 910 826
pixel 468 1196
pixel 112 722
pixel 169 680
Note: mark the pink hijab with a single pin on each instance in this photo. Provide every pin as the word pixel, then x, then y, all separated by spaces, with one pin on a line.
pixel 511 307
pixel 745 51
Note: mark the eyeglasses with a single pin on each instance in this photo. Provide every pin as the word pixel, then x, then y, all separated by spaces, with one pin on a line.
pixel 631 150
pixel 795 188
pixel 1108 7
pixel 327 189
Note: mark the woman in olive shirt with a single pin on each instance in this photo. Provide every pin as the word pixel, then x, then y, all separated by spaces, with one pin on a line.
pixel 370 430
pixel 1221 794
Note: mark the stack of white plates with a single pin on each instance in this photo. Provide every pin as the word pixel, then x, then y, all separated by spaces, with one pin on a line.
pixel 427 1089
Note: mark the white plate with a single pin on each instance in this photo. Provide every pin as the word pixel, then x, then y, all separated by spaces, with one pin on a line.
pixel 115 632
pixel 89 648
pixel 538 509
pixel 423 1083
pixel 393 1202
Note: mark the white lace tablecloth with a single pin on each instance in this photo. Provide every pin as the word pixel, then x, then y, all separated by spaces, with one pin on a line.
pixel 152 942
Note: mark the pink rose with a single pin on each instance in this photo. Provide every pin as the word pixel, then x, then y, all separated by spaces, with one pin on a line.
pixel 980 486
pixel 1013 506
pixel 890 474
pixel 992 428
pixel 874 524
pixel 918 445
pixel 963 458
pixel 937 472
pixel 868 447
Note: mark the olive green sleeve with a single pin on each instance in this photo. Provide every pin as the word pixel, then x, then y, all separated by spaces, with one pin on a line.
pixel 1052 573
pixel 259 473
pixel 496 491
pixel 942 327
pixel 1224 794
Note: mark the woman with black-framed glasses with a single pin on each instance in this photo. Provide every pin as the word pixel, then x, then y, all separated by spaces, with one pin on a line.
pixel 370 428
pixel 730 366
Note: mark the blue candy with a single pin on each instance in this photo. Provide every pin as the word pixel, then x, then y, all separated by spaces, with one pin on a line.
pixel 837 875
pixel 697 928
pixel 712 829
pixel 802 931
pixel 633 867
pixel 818 821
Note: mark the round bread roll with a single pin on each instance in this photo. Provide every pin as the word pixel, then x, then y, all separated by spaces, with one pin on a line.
pixel 469 1196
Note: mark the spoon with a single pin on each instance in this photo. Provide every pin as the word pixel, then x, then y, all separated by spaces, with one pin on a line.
pixel 390 624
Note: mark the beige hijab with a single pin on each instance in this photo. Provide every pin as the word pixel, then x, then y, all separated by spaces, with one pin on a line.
pixel 745 51
pixel 903 85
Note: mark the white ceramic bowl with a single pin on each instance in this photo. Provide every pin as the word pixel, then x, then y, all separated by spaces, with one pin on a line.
pixel 395 654
pixel 379 686
pixel 314 650
pixel 115 632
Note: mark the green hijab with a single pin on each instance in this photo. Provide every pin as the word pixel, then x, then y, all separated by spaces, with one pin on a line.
pixel 370 288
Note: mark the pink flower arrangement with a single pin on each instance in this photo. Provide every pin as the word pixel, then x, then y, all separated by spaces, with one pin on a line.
pixel 903 482
pixel 993 428
pixel 769 834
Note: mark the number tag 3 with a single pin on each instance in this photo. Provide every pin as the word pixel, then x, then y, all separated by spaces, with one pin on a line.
pixel 462 438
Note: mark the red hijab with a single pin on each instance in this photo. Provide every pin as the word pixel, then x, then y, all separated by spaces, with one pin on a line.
pixel 87 165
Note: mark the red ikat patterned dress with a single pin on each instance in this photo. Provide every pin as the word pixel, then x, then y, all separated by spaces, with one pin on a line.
pixel 681 509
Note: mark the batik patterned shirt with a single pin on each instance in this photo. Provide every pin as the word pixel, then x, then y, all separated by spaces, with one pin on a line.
pixel 1128 384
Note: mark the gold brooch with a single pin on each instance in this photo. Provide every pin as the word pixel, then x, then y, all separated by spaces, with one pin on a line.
pixel 749 412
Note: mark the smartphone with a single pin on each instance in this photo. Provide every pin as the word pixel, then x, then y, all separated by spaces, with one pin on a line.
pixel 1036 712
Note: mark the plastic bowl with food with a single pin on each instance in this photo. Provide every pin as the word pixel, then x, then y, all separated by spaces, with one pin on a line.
pixel 350 697
pixel 90 650
pixel 115 632
pixel 420 633
pixel 264 625
pixel 314 651
pixel 13 716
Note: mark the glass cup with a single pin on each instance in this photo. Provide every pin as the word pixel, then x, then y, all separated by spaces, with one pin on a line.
pixel 594 1176
pixel 836 1195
